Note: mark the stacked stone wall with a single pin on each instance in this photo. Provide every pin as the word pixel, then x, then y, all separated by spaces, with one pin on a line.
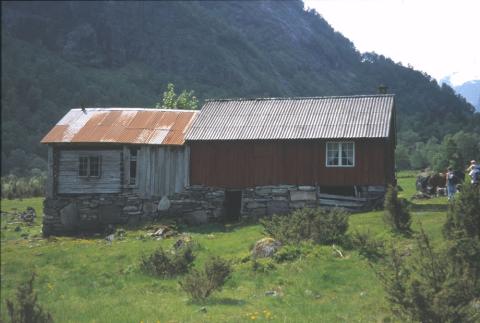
pixel 279 199
pixel 195 205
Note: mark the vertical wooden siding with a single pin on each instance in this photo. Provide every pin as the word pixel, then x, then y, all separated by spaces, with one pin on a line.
pixel 162 170
pixel 70 183
pixel 246 164
pixel 50 183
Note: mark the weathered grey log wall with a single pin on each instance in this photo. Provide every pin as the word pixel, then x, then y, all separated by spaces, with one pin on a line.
pixel 162 170
pixel 109 181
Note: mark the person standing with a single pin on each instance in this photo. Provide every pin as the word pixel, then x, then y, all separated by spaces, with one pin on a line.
pixel 451 183
pixel 474 172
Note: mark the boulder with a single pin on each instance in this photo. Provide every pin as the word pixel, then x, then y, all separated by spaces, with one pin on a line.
pixel 265 248
pixel 164 204
pixel 28 215
pixel 69 216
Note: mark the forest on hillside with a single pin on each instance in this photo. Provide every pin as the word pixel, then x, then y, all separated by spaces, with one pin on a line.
pixel 62 55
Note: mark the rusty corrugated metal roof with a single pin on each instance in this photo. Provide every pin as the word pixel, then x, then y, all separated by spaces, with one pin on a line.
pixel 122 125
pixel 366 116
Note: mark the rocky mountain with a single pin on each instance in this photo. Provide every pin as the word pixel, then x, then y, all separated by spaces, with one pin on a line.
pixel 470 91
pixel 59 55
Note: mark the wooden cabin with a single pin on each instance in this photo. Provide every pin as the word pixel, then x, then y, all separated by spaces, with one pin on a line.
pixel 247 157
pixel 99 156
pixel 337 146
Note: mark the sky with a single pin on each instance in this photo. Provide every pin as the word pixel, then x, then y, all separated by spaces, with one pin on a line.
pixel 439 37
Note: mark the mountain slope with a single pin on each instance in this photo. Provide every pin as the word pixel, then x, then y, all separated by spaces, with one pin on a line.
pixel 470 91
pixel 59 55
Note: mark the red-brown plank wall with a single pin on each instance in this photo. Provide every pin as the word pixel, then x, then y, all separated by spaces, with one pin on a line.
pixel 241 164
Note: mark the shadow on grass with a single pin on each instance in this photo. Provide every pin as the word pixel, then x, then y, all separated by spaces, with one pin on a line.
pixel 429 207
pixel 221 301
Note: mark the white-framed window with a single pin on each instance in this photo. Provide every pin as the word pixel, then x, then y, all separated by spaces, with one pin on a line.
pixel 89 166
pixel 340 154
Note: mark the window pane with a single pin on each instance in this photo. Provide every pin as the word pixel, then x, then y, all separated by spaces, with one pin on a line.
pixel 133 165
pixel 333 154
pixel 347 154
pixel 83 166
pixel 94 166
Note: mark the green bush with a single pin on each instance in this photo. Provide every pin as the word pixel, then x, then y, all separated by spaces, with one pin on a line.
pixel 287 253
pixel 317 225
pixel 27 309
pixel 262 265
pixel 396 213
pixel 440 285
pixel 367 246
pixel 434 285
pixel 200 284
pixel 22 187
pixel 463 216
pixel 168 264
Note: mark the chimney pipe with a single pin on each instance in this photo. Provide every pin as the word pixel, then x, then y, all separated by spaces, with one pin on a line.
pixel 382 89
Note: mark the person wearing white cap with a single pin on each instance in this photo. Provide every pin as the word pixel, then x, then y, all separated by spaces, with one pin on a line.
pixel 474 171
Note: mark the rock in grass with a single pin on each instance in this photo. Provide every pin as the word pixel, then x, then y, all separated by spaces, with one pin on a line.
pixel 28 215
pixel 110 237
pixel 265 248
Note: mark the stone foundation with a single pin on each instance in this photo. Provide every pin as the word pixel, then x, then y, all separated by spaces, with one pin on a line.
pixel 69 214
pixel 195 205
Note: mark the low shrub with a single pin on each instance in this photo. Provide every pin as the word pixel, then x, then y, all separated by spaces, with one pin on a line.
pixel 200 284
pixel 367 246
pixel 166 264
pixel 434 285
pixel 317 225
pixel 287 253
pixel 22 187
pixel 396 213
pixel 262 265
pixel 27 309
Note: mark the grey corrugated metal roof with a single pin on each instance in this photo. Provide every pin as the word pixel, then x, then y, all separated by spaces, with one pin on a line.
pixel 366 116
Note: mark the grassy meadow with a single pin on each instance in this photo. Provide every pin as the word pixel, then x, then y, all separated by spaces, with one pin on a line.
pixel 93 280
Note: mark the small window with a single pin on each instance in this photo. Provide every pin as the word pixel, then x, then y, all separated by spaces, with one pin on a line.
pixel 89 166
pixel 83 167
pixel 94 166
pixel 340 154
pixel 133 166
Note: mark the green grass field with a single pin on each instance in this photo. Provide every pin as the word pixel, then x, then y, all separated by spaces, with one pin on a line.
pixel 92 280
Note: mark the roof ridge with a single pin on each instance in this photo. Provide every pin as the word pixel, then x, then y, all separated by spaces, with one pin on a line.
pixel 304 98
pixel 131 109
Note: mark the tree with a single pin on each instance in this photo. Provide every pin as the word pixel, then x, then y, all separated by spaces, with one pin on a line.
pixel 440 285
pixel 186 100
pixel 452 153
pixel 396 212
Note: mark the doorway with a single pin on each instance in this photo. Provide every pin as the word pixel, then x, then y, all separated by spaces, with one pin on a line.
pixel 233 205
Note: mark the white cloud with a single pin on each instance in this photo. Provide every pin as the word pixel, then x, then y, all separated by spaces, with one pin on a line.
pixel 439 37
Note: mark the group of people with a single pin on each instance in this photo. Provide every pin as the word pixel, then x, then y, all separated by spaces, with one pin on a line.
pixel 452 179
